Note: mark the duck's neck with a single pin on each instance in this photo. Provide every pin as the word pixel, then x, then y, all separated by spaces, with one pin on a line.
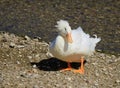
pixel 65 39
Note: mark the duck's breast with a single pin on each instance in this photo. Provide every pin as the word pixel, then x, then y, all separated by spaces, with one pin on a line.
pixel 57 47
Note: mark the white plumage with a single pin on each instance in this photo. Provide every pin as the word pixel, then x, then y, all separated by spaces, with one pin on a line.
pixel 82 44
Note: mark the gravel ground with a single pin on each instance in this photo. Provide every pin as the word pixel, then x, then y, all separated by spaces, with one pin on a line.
pixel 26 63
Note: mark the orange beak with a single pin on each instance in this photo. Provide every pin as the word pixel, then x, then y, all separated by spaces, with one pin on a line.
pixel 69 38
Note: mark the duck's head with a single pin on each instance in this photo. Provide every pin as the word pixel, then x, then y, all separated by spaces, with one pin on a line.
pixel 64 30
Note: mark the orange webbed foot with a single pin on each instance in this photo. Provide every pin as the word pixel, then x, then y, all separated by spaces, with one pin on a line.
pixel 68 68
pixel 81 69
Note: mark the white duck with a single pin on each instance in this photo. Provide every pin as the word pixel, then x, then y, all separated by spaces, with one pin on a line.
pixel 72 45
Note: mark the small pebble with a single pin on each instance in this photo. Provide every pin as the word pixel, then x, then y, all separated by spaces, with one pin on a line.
pixel 20 46
pixel 12 45
pixel 37 55
pixel 20 55
pixel 36 40
pixel 99 50
pixel 68 78
pixel 96 84
pixel 97 74
pixel 37 37
pixel 34 70
pixel 34 66
pixel 110 61
pixel 27 38
pixel 17 62
pixel 23 75
pixel 48 54
pixel 30 57
pixel 117 81
pixel 35 86
pixel 104 69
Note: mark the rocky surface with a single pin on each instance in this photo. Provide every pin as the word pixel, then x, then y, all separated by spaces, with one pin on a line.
pixel 26 63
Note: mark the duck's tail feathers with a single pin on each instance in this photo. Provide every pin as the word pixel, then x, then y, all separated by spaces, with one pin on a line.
pixel 93 43
pixel 96 39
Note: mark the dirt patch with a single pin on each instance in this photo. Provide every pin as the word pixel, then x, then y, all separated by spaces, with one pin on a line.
pixel 26 63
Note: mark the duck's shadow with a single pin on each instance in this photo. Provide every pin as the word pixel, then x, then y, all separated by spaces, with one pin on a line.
pixel 54 64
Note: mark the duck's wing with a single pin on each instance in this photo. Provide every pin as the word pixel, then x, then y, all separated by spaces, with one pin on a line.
pixel 79 34
pixel 82 43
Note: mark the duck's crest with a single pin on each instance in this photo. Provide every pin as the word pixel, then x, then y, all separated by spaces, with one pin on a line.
pixel 62 24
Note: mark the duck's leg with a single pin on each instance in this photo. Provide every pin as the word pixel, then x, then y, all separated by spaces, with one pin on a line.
pixel 81 69
pixel 68 68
